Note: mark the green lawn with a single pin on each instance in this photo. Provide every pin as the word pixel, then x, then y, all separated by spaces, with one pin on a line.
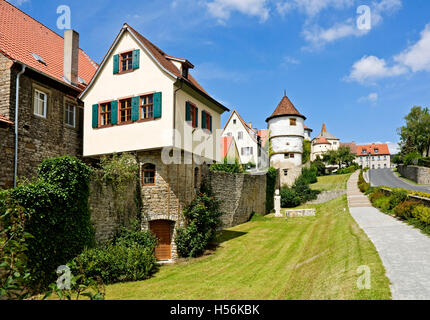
pixel 272 258
pixel 334 182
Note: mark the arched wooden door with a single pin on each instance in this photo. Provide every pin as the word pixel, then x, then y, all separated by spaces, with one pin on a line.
pixel 162 230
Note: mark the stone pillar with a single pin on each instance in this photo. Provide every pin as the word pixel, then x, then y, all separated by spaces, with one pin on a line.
pixel 277 204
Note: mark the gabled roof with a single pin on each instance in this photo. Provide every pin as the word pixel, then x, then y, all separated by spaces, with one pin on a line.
pixel 161 58
pixel 322 140
pixel 250 131
pixel 21 36
pixel 3 119
pixel 324 133
pixel 364 150
pixel 351 145
pixel 285 108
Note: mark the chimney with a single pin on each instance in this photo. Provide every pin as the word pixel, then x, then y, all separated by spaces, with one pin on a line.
pixel 71 56
pixel 250 125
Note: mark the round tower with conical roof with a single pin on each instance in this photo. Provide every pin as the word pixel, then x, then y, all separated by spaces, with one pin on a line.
pixel 287 130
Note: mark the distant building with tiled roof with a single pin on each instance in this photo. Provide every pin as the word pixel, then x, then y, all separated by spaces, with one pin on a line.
pixel 323 143
pixel 287 133
pixel 50 72
pixel 308 133
pixel 374 156
pixel 249 141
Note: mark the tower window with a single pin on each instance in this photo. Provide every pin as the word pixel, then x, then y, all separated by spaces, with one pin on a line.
pixel 293 122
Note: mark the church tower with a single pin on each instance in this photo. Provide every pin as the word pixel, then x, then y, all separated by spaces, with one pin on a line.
pixel 287 130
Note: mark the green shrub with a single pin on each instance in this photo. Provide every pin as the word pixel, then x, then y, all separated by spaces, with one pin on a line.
pixel 133 235
pixel 319 166
pixel 397 196
pixel 376 195
pixel 235 167
pixel 383 203
pixel 116 262
pixel 310 175
pixel 271 177
pixel 202 220
pixel 404 210
pixel 411 158
pixel 289 198
pixel 348 170
pixel 301 187
pixel 422 213
pixel 59 216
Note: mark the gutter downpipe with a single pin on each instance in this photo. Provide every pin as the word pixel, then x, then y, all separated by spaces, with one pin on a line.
pixel 15 169
pixel 174 111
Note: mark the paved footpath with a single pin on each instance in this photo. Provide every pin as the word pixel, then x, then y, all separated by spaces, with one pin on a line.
pixel 404 250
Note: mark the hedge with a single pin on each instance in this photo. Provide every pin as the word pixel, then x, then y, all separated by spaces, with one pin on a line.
pixel 272 175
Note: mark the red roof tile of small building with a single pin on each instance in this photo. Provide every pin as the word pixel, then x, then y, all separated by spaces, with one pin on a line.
pixel 264 136
pixel 21 36
pixel 364 150
pixel 307 128
pixel 285 108
pixel 3 119
pixel 351 145
pixel 322 140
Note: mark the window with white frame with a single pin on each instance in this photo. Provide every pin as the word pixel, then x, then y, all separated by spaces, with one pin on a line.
pixel 70 115
pixel 240 135
pixel 40 103
pixel 247 151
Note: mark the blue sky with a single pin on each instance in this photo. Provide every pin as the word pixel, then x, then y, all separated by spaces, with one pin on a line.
pixel 361 83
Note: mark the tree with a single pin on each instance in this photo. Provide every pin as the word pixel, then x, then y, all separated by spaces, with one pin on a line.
pixel 415 135
pixel 340 157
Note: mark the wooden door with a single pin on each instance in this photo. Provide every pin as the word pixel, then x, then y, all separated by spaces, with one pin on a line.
pixel 161 229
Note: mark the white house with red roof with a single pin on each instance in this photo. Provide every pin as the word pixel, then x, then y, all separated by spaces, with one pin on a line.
pixel 144 101
pixel 323 143
pixel 374 156
pixel 248 141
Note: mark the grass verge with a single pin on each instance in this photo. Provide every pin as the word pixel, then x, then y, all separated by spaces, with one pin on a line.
pixel 329 183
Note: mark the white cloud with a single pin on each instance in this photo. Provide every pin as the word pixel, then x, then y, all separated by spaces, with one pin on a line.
pixel 372 98
pixel 371 68
pixel 384 7
pixel 18 2
pixel 417 56
pixel 222 9
pixel 311 7
pixel 289 60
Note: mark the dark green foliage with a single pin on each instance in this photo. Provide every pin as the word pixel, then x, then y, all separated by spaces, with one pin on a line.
pixel 424 162
pixel 397 197
pixel 306 151
pixel 227 166
pixel 414 136
pixel 133 235
pixel 362 184
pixel 59 216
pixel 271 177
pixel 289 198
pixel 310 175
pixel 411 158
pixel 13 250
pixel 202 220
pixel 319 166
pixel 350 169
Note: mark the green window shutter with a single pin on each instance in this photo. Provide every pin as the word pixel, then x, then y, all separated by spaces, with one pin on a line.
pixel 210 119
pixel 134 108
pixel 187 111
pixel 114 112
pixel 116 64
pixel 136 59
pixel 95 115
pixel 158 107
pixel 197 117
pixel 203 120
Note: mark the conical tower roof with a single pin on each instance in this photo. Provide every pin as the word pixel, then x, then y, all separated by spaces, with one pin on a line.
pixel 324 133
pixel 285 108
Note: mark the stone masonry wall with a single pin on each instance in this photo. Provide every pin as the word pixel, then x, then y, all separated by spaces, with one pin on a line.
pixel 38 138
pixel 240 195
pixel 109 214
pixel 420 175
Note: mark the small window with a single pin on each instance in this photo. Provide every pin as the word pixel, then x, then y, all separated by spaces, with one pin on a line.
pixel 234 121
pixel 229 134
pixel 285 172
pixel 376 150
pixel 207 124
pixel 40 103
pixel 105 114
pixel 247 151
pixel 125 110
pixel 289 156
pixel 147 107
pixel 149 174
pixel 70 115
pixel 240 135
pixel 293 122
pixel 126 61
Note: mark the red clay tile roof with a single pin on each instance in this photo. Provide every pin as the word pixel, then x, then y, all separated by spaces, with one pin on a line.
pixel 163 58
pixel 251 132
pixel 264 136
pixel 285 108
pixel 307 128
pixel 21 36
pixel 364 150
pixel 322 140
pixel 5 120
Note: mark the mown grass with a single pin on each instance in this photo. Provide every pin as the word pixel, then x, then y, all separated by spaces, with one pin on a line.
pixel 329 183
pixel 273 258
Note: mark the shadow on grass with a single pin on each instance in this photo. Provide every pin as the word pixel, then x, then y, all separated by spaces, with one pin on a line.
pixel 227 235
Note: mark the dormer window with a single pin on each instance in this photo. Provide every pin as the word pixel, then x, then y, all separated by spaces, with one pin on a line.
pixel 126 61
pixel 376 150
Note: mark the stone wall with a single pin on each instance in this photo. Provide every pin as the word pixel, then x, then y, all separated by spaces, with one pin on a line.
pixel 240 195
pixel 6 156
pixel 109 212
pixel 326 196
pixel 38 138
pixel 420 175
